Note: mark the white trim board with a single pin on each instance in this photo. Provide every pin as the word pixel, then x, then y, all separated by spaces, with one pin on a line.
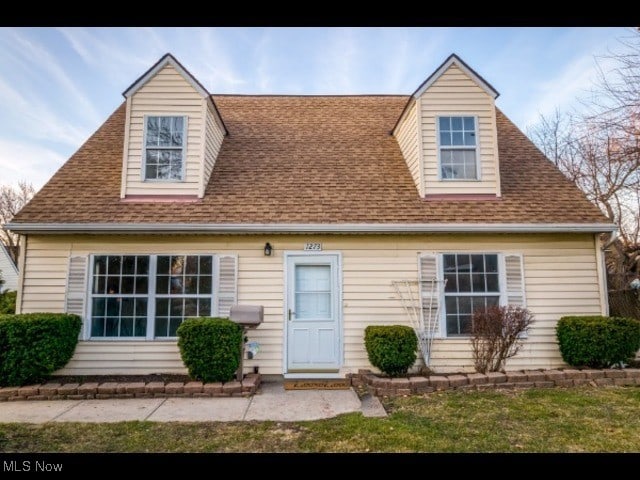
pixel 301 228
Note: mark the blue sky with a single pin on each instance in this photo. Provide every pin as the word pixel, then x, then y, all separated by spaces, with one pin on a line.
pixel 57 85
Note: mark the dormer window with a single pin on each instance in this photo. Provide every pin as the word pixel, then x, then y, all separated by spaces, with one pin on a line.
pixel 458 148
pixel 164 151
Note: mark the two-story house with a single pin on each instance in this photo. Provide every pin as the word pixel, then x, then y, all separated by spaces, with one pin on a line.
pixel 184 203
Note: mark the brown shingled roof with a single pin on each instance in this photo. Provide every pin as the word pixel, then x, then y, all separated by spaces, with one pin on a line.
pixel 299 159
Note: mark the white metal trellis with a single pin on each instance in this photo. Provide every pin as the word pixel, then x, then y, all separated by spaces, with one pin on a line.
pixel 421 301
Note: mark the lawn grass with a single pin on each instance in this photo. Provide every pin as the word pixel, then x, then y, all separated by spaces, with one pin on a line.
pixel 537 420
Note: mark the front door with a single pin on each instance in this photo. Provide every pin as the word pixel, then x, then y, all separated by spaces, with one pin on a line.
pixel 313 313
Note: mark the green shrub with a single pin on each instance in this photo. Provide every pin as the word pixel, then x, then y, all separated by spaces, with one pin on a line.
pixel 598 342
pixel 8 302
pixel 34 345
pixel 391 348
pixel 210 348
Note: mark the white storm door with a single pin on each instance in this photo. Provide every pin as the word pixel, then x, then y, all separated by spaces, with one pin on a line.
pixel 312 313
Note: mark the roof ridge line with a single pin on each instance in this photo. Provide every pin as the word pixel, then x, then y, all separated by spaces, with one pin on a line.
pixel 308 95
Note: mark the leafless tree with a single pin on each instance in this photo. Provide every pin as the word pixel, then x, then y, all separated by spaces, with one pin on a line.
pixel 497 335
pixel 599 149
pixel 12 199
pixel 550 135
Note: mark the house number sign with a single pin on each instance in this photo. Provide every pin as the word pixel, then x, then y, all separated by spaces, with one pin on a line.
pixel 314 247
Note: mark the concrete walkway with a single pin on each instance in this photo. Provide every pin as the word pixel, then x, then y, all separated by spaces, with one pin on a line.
pixel 272 403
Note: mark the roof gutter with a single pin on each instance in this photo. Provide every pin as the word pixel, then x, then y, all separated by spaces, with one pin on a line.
pixel 249 228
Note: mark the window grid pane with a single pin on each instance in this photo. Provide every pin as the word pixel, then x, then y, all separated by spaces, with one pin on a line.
pixel 458 164
pixel 118 309
pixel 472 284
pixel 461 131
pixel 458 160
pixel 184 289
pixel 164 143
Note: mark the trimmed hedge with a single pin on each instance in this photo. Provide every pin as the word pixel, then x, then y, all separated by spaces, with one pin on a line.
pixel 8 302
pixel 596 341
pixel 210 348
pixel 34 345
pixel 391 348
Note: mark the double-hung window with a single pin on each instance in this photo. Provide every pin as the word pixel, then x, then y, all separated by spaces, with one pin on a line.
pixel 458 148
pixel 149 296
pixel 472 284
pixel 164 148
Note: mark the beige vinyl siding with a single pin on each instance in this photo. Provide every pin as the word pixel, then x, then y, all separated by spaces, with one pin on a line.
pixel 167 93
pixel 214 134
pixel 561 278
pixel 407 136
pixel 455 93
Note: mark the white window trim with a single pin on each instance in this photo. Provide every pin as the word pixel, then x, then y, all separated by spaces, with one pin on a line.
pixel 143 162
pixel 502 279
pixel 151 296
pixel 460 147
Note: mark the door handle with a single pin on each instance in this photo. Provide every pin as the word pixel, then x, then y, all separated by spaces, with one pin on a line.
pixel 290 313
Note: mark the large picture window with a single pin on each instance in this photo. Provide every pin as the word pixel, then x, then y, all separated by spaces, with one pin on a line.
pixel 164 153
pixel 472 284
pixel 458 148
pixel 149 295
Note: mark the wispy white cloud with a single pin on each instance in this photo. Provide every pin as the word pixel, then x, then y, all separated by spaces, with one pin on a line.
pixel 536 77
pixel 215 64
pixel 415 56
pixel 37 54
pixel 118 56
pixel 58 85
pixel 263 58
pixel 561 89
pixel 24 161
pixel 337 62
pixel 565 91
pixel 399 61
pixel 36 121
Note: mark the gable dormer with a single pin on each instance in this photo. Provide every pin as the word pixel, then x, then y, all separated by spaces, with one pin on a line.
pixel 447 134
pixel 173 133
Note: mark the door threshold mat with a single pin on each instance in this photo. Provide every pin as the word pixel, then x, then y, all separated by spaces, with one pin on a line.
pixel 317 384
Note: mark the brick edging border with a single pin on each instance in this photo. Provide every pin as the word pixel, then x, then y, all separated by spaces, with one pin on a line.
pixel 382 386
pixel 83 391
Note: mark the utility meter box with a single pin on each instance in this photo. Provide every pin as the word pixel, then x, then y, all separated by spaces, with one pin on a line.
pixel 249 316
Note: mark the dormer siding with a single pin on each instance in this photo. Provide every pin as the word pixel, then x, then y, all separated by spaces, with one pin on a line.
pixel 213 136
pixel 456 94
pixel 168 93
pixel 453 93
pixel 168 90
pixel 408 136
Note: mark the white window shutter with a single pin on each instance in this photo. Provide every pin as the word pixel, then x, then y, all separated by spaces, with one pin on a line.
pixel 430 293
pixel 514 274
pixel 227 284
pixel 76 285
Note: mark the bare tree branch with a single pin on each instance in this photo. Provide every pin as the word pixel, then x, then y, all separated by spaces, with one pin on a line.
pixel 600 150
pixel 11 202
